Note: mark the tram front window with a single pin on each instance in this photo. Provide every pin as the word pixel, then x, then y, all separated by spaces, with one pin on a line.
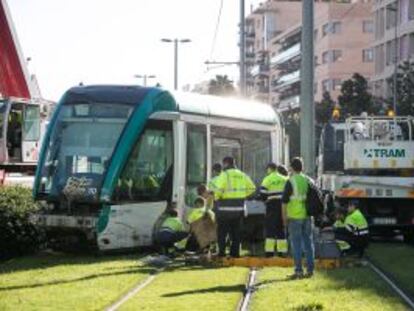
pixel 82 142
pixel 147 175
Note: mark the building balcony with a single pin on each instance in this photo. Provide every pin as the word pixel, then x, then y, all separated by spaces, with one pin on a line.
pixel 250 55
pixel 261 69
pixel 286 80
pixel 286 55
pixel 250 37
pixel 262 89
pixel 289 103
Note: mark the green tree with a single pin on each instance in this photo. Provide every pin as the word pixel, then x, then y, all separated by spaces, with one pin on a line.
pixel 221 85
pixel 355 98
pixel 405 88
pixel 324 109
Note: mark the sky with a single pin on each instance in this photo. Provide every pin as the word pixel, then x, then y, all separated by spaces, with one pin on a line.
pixel 110 41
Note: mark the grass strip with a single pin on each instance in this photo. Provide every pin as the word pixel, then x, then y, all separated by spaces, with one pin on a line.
pixel 397 261
pixel 340 289
pixel 67 282
pixel 192 288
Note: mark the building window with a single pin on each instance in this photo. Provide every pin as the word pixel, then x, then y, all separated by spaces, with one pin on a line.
pixel 404 47
pixel 325 29
pixel 388 53
pixel 404 9
pixel 331 56
pixel 336 27
pixel 368 26
pixel 391 16
pixel 315 34
pixel 367 55
pixel 326 85
pixel 325 57
pixel 332 27
pixel 336 55
pixel 336 84
pixel 411 10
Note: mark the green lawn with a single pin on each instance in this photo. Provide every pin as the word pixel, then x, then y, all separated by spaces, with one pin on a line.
pixel 341 289
pixel 192 288
pixel 397 260
pixel 65 282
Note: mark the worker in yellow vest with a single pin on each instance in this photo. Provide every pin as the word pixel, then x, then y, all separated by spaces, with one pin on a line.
pixel 299 223
pixel 271 190
pixel 353 229
pixel 232 188
pixel 171 231
pixel 216 171
pixel 195 213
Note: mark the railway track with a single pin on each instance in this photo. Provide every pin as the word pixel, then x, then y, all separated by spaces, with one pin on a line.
pixel 135 290
pixel 407 298
pixel 244 302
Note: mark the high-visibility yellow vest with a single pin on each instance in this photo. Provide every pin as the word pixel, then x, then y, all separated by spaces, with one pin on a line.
pixel 195 214
pixel 356 223
pixel 212 184
pixel 339 224
pixel 273 185
pixel 173 224
pixel 233 184
pixel 296 208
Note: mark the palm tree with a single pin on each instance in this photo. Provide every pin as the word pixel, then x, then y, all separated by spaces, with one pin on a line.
pixel 221 85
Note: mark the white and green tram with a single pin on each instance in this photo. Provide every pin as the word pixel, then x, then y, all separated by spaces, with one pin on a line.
pixel 114 157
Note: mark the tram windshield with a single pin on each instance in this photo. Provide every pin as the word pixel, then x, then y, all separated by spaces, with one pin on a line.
pixel 80 146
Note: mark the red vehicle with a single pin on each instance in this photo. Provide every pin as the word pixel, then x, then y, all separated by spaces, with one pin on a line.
pixel 20 116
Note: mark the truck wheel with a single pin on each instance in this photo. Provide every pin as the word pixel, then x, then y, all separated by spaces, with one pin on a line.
pixel 409 236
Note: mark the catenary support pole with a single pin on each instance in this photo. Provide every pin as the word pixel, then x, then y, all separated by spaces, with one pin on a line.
pixel 242 45
pixel 307 109
pixel 175 64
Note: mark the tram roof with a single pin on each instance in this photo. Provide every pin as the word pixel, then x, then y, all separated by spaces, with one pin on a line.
pixel 225 107
pixel 206 105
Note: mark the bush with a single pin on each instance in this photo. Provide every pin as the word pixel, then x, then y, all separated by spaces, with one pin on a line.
pixel 18 234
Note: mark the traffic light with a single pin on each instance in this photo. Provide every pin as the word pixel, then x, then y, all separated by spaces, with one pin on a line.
pixel 336 113
pixel 390 113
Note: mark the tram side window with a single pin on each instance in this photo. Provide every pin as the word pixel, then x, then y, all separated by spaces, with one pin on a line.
pixel 257 154
pixel 196 160
pixel 148 173
pixel 251 149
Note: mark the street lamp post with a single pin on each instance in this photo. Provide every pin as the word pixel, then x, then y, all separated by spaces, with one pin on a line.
pixel 176 41
pixel 145 78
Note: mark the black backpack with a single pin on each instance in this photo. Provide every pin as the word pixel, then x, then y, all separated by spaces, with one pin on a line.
pixel 314 200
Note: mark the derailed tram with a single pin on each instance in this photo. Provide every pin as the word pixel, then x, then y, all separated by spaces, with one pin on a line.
pixel 114 157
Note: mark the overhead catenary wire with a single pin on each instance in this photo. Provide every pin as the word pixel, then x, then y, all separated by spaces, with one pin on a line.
pixel 216 29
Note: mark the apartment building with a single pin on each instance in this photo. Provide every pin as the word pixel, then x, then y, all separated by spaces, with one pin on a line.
pixel 394 41
pixel 264 23
pixel 343 37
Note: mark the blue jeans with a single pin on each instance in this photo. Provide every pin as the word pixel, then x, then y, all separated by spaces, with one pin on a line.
pixel 300 236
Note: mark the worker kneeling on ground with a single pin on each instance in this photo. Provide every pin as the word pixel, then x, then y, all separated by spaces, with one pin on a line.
pixel 232 188
pixel 352 227
pixel 201 221
pixel 271 191
pixel 171 231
